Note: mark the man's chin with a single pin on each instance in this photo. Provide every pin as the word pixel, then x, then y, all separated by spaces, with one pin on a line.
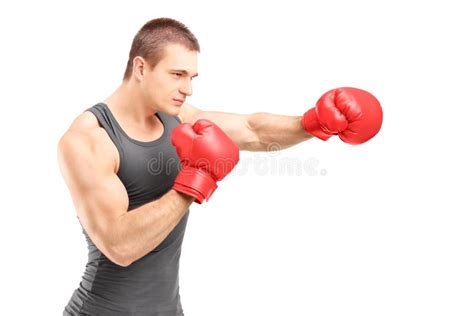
pixel 172 110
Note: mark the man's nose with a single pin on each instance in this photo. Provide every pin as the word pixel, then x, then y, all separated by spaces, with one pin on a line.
pixel 187 88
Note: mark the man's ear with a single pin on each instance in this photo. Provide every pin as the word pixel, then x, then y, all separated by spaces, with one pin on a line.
pixel 139 67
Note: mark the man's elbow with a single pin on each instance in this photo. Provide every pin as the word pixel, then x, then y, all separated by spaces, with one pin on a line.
pixel 119 257
pixel 249 136
pixel 123 264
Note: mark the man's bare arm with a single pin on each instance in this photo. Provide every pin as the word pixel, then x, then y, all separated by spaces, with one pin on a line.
pixel 144 228
pixel 253 132
pixel 101 202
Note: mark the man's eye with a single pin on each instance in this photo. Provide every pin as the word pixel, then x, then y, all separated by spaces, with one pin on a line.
pixel 177 74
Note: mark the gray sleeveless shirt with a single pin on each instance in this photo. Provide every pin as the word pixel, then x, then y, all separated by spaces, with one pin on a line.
pixel 150 285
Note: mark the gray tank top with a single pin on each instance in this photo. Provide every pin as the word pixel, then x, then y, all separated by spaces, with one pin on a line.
pixel 150 285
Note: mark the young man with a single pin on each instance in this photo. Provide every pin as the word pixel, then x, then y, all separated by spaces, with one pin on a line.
pixel 136 162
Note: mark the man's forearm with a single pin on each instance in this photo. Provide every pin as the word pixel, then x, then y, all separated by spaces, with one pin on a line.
pixel 276 131
pixel 142 229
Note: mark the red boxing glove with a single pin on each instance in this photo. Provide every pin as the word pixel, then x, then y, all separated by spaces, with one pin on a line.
pixel 207 155
pixel 353 114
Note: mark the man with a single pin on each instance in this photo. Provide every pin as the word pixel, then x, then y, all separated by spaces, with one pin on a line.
pixel 136 162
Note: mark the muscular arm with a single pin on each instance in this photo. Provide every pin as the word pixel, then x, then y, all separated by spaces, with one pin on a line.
pixel 101 202
pixel 253 132
pixel 140 231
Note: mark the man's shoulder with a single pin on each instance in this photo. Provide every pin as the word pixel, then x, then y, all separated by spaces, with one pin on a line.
pixel 85 138
pixel 84 130
pixel 84 122
pixel 188 113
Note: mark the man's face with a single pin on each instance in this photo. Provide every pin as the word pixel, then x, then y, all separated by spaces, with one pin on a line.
pixel 170 82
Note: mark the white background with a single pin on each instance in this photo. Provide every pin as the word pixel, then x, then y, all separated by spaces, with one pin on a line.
pixel 388 230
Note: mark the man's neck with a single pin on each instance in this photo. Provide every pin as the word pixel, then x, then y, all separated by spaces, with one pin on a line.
pixel 127 103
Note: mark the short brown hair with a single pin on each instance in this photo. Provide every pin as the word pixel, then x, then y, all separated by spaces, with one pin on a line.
pixel 152 38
